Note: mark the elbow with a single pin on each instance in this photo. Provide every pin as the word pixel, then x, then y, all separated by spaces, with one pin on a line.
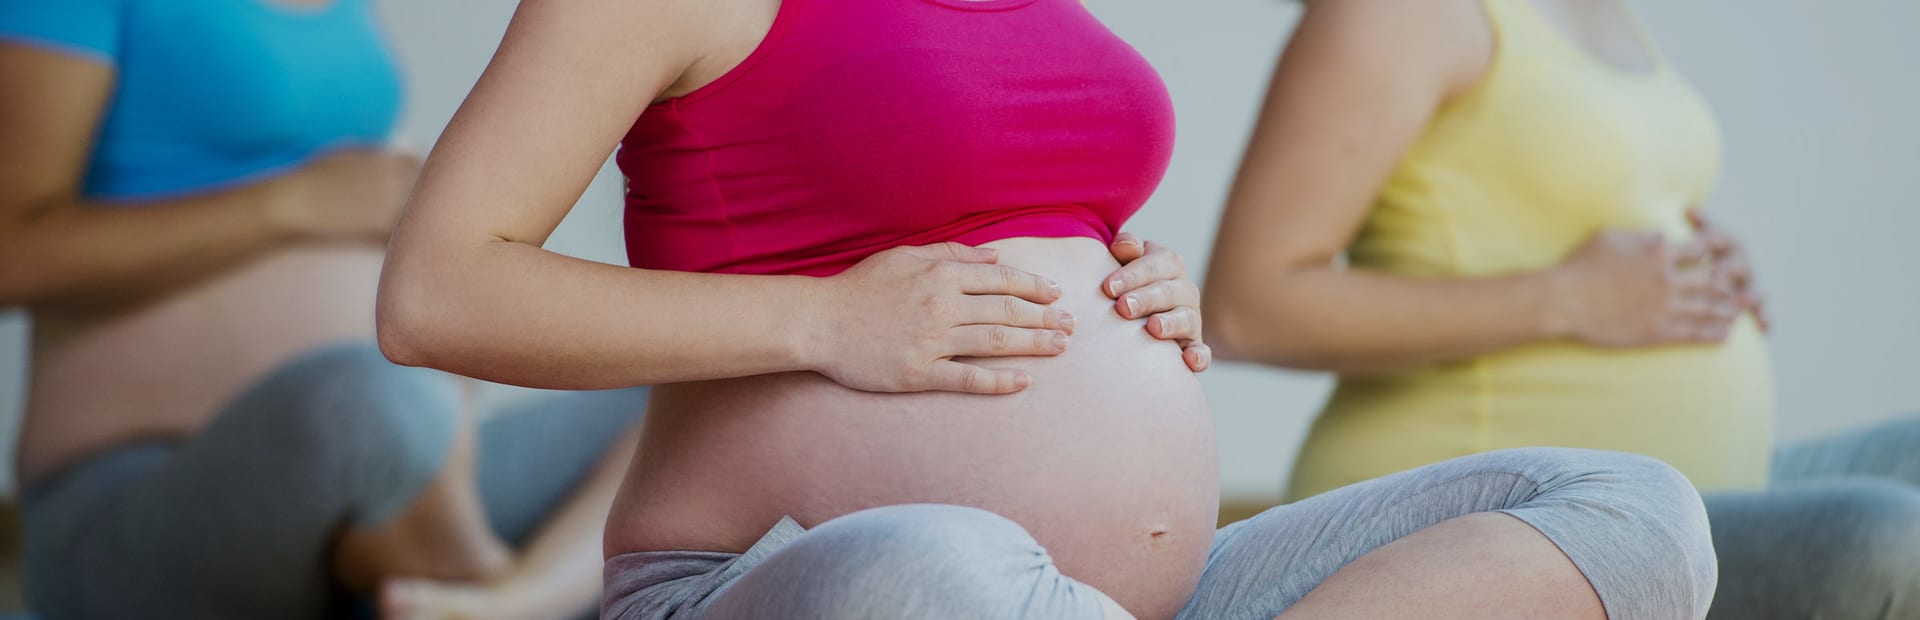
pixel 400 335
pixel 1241 330
pixel 404 324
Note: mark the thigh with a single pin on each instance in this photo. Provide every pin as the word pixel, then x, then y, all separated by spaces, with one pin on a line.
pixel 1262 566
pixel 533 453
pixel 917 561
pixel 1834 548
pixel 1890 448
pixel 239 521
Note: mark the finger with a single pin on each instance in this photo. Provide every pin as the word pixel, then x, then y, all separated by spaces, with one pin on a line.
pixel 956 252
pixel 1004 280
pixel 1199 357
pixel 1127 248
pixel 1003 341
pixel 1697 219
pixel 1177 324
pixel 1760 316
pixel 1709 307
pixel 952 376
pixel 1013 312
pixel 1692 252
pixel 1159 263
pixel 1734 267
pixel 1157 298
pixel 1691 279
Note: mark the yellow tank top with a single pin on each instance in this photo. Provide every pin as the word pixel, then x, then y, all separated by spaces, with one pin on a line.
pixel 1550 147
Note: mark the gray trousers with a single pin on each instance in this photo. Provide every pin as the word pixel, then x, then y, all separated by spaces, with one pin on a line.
pixel 1836 537
pixel 1633 526
pixel 239 521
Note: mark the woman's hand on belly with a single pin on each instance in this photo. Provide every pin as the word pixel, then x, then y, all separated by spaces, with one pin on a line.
pixel 1152 284
pixel 894 322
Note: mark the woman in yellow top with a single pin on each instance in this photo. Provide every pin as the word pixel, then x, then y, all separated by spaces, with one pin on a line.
pixel 1514 185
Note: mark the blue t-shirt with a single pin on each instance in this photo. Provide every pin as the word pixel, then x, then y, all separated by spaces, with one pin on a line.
pixel 215 93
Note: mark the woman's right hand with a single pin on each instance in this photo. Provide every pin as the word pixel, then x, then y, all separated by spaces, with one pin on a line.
pixel 348 196
pixel 1631 289
pixel 895 321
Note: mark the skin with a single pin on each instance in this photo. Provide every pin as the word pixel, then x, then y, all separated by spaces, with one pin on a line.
pixel 246 278
pixel 1357 86
pixel 1359 82
pixel 769 386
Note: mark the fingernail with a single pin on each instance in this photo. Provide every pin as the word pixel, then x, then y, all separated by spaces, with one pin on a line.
pixel 1066 321
pixel 1022 380
pixel 1059 340
pixel 1133 306
pixel 1162 321
pixel 1113 286
pixel 1053 286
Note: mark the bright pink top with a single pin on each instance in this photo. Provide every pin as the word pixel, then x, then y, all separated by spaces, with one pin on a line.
pixel 863 125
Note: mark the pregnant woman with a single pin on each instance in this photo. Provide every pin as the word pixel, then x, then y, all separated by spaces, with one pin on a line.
pixel 1514 184
pixel 836 206
pixel 193 200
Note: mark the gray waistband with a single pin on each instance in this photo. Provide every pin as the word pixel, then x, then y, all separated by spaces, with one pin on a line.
pixel 654 585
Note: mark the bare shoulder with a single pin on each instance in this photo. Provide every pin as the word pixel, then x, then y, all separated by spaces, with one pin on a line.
pixel 653 42
pixel 1449 40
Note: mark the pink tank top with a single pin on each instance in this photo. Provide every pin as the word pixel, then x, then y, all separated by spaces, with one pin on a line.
pixel 863 125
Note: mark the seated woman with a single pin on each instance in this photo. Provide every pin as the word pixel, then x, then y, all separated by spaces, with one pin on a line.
pixel 779 154
pixel 193 201
pixel 1512 184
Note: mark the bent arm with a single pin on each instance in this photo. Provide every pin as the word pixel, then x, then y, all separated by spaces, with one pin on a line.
pixel 58 251
pixel 467 287
pixel 1358 84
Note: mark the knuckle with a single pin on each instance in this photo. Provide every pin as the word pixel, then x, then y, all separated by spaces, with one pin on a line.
pixel 1010 309
pixel 971 378
pixel 998 339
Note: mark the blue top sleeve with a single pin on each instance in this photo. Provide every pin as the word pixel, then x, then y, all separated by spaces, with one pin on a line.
pixel 87 28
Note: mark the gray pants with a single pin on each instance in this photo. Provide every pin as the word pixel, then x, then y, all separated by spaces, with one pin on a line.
pixel 1836 537
pixel 1633 526
pixel 239 521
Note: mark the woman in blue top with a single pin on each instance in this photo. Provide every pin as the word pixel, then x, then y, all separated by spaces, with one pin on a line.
pixel 194 196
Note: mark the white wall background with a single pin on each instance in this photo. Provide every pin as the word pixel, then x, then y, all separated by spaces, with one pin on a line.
pixel 1818 106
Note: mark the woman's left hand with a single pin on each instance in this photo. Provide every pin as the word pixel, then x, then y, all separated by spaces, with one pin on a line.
pixel 1152 284
pixel 1731 267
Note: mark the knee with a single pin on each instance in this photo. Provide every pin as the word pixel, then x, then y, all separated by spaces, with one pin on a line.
pixel 901 558
pixel 349 411
pixel 1651 516
pixel 1874 538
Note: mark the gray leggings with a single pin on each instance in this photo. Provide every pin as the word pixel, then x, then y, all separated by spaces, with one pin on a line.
pixel 1836 536
pixel 1632 525
pixel 238 521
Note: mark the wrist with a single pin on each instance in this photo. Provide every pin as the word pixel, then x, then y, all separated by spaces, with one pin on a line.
pixel 281 197
pixel 803 338
pixel 1557 303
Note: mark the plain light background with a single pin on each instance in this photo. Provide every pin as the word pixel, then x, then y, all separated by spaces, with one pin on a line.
pixel 1817 101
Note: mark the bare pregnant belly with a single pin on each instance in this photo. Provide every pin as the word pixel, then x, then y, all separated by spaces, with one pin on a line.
pixel 164 368
pixel 1108 458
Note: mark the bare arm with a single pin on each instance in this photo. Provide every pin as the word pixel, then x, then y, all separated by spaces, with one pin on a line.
pixel 56 250
pixel 1358 84
pixel 468 289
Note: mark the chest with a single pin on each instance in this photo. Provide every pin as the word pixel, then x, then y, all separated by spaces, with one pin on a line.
pixel 237 77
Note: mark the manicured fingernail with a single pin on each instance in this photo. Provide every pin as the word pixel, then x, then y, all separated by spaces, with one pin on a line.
pixel 1022 381
pixel 1133 306
pixel 1059 340
pixel 1053 286
pixel 1066 321
pixel 1113 286
pixel 1162 321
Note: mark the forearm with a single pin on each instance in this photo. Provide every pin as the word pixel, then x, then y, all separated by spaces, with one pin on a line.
pixel 101 255
pixel 1355 320
pixel 514 313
